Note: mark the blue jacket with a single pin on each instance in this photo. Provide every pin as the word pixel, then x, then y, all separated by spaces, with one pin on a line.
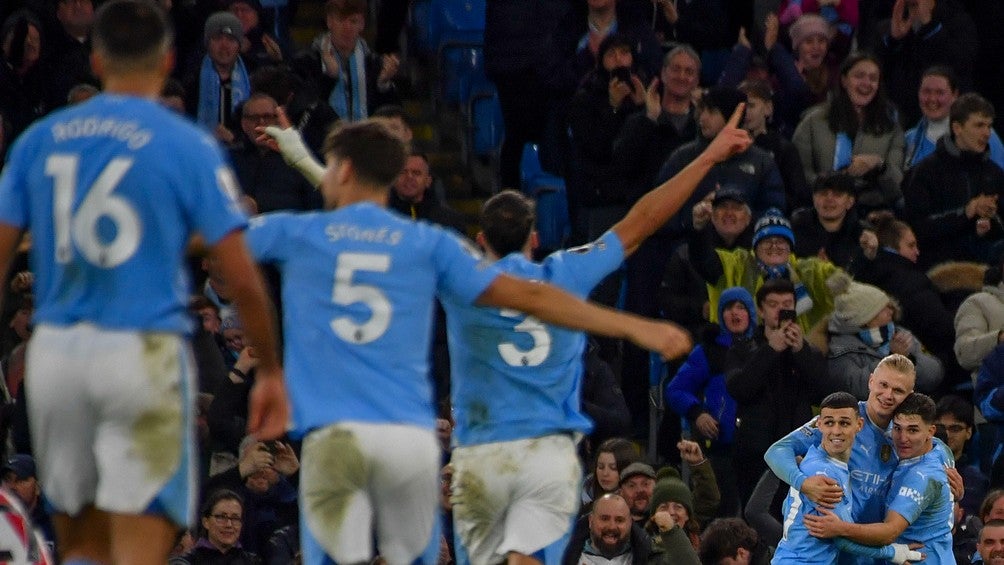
pixel 699 384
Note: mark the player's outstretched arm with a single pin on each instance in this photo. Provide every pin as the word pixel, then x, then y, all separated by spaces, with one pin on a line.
pixel 663 202
pixel 555 306
pixel 288 142
pixel 268 412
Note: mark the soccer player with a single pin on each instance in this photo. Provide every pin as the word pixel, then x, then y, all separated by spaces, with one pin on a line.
pixel 873 458
pixel 112 190
pixel 919 503
pixel 358 289
pixel 839 421
pixel 516 381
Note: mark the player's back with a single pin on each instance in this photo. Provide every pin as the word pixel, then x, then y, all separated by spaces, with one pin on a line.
pixel 513 376
pixel 797 545
pixel 357 293
pixel 112 190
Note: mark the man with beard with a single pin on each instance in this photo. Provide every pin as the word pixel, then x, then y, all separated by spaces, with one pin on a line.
pixel 637 485
pixel 613 537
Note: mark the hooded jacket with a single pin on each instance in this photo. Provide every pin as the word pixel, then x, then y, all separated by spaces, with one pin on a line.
pixel 699 384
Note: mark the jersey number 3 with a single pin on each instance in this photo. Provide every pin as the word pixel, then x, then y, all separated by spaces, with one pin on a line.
pixel 81 228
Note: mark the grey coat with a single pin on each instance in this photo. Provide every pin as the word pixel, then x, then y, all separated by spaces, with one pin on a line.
pixel 977 322
pixel 851 361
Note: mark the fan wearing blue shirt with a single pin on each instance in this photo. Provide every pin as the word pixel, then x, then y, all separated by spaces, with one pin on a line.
pixel 919 503
pixel 113 190
pixel 358 288
pixel 839 422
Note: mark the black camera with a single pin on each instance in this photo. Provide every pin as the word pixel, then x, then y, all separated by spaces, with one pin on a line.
pixel 785 315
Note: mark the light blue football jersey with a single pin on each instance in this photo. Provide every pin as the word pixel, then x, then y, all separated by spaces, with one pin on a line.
pixel 358 285
pixel 112 190
pixel 919 492
pixel 512 376
pixel 873 461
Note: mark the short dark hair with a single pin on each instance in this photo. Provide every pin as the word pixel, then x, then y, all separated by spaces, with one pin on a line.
pixel 774 286
pixel 723 538
pixel 995 523
pixel 344 8
pixel 838 400
pixel 835 180
pixel 957 407
pixel 132 34
pixel 969 104
pixel 916 404
pixel 888 229
pixel 217 496
pixel 507 220
pixel 988 503
pixel 944 72
pixel 376 154
pixel 757 88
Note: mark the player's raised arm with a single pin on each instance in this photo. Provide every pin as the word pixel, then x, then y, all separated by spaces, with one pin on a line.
pixel 555 306
pixel 661 203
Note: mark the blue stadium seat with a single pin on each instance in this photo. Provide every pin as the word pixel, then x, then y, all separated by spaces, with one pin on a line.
pixel 548 191
pixel 421 28
pixel 458 34
pixel 486 125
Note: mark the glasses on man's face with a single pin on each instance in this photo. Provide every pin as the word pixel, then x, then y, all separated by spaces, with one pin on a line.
pixel 224 518
pixel 261 118
pixel 955 428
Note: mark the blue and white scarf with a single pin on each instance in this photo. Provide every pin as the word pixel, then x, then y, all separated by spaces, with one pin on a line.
pixel 209 92
pixel 350 106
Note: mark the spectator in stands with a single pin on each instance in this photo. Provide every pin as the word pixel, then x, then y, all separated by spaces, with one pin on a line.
pixel 637 483
pixel 221 82
pixel 800 80
pixel 222 518
pixel 612 455
pixel 609 94
pixel 683 295
pixel 856 132
pixel 938 90
pixel 771 258
pixel 862 331
pixel 300 105
pixel 774 379
pixel 697 392
pixel 893 252
pixel 992 507
pixel 23 72
pixel 955 415
pixel 842 17
pixel 979 322
pixel 688 507
pixel 20 476
pixel 69 50
pixel 951 196
pixel 922 33
pixel 989 398
pixel 608 535
pixel 731 540
pixel 673 528
pixel 257 47
pixel 759 111
pixel 991 543
pixel 709 26
pixel 830 228
pixel 413 196
pixel 752 171
pixel 355 80
pixel 263 174
pixel 265 478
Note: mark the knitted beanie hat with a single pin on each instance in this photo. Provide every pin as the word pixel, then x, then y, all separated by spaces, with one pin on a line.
pixel 669 488
pixel 223 23
pixel 854 303
pixel 773 223
pixel 806 26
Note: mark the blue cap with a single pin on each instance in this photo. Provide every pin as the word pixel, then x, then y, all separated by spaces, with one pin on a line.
pixel 22 465
pixel 773 223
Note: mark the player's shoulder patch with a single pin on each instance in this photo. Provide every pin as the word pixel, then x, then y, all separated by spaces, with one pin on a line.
pixel 809 427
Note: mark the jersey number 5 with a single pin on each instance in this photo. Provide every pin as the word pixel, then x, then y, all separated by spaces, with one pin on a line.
pixel 346 292
pixel 82 227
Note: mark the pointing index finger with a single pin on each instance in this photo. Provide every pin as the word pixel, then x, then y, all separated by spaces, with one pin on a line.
pixel 736 116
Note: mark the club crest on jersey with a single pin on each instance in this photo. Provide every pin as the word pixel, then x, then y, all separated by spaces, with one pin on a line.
pixel 886 453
